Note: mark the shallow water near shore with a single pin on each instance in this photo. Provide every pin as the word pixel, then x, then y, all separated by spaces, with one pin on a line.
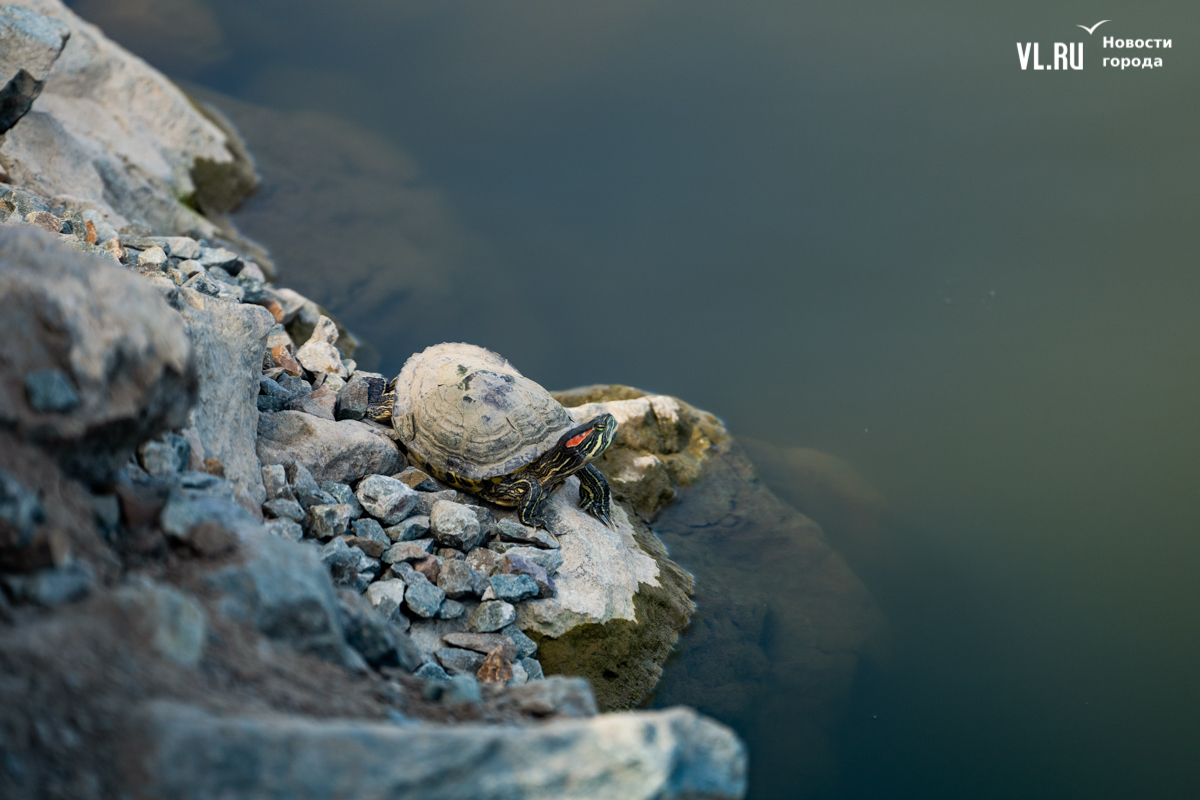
pixel 950 307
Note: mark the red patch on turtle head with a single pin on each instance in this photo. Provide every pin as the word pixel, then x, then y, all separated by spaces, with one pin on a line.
pixel 575 440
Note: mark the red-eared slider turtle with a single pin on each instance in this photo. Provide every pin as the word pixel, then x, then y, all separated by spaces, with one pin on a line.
pixel 471 420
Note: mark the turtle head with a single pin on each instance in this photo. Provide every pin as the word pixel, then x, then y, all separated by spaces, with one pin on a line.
pixel 592 438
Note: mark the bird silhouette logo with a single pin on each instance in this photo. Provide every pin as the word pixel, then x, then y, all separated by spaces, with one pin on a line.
pixel 1092 29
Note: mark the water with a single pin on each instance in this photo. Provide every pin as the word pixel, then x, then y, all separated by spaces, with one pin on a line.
pixel 856 228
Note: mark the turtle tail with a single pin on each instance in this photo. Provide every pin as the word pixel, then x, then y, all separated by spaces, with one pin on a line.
pixel 380 410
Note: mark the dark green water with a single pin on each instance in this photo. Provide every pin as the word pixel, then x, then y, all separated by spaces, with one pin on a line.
pixel 854 227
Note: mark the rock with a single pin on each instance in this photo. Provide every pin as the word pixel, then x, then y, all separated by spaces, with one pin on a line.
pixel 349 566
pixel 450 554
pixel 407 551
pixel 321 403
pixel 429 567
pixel 370 529
pixel 287 509
pixel 272 397
pixel 486 519
pixel 333 451
pixel 409 529
pixel 666 755
pixel 285 529
pixel 491 616
pixel 229 340
pixel 352 399
pixel 510 530
pixel 533 669
pixel 202 284
pixel 345 495
pixel 162 459
pixel 369 546
pixel 51 587
pixel 305 488
pixel 525 646
pixel 325 521
pixel 81 316
pixel 416 479
pixel 513 588
pixel 483 643
pixel 154 257
pixel 496 668
pixel 29 45
pixel 451 609
pixel 378 642
pixel 174 623
pixel 275 483
pixel 424 599
pixel 519 565
pixel 549 560
pixel 189 508
pixel 461 690
pixel 432 671
pixel 427 500
pixel 386 596
pixel 45 220
pixel 217 257
pixel 455 579
pixel 520 676
pixel 554 697
pixel 386 499
pixel 318 354
pixel 484 561
pixel 21 512
pixel 454 525
pixel 183 247
pixel 459 662
pixel 50 391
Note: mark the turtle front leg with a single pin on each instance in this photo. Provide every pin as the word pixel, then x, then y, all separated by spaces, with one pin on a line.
pixel 594 495
pixel 529 507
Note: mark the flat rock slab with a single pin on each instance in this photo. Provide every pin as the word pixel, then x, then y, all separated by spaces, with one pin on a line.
pixel 189 754
pixel 342 452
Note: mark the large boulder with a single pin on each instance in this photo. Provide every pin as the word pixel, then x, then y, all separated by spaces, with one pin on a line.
pixel 93 362
pixel 665 755
pixel 342 452
pixel 120 140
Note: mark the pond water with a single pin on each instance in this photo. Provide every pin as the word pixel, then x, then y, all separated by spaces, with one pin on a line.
pixel 863 236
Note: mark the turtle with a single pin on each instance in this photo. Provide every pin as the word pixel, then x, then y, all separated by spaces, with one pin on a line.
pixel 470 419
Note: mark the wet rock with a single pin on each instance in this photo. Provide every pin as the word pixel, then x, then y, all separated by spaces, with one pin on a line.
pixel 349 567
pixel 343 494
pixel 519 565
pixel 387 596
pixel 416 479
pixel 491 616
pixel 385 498
pixel 510 530
pixel 174 623
pixel 666 755
pixel 513 588
pixel 408 551
pixel 409 529
pixel 333 451
pixel 287 509
pixel 326 521
pixel 369 546
pixel 454 525
pixel 52 587
pixel 284 528
pixel 482 643
pixel 275 482
pixel 459 662
pixel 424 599
pixel 496 668
pixel 78 315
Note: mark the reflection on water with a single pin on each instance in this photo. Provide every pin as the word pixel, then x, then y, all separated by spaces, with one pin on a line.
pixel 866 239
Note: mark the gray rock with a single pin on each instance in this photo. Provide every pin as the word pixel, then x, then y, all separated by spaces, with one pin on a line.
pixel 21 512
pixel 673 754
pixel 327 520
pixel 385 498
pixel 273 396
pixel 454 525
pixel 275 482
pixel 52 587
pixel 451 609
pixel 491 616
pixel 188 268
pixel 461 690
pixel 512 531
pixel 50 391
pixel 387 596
pixel 379 643
pixel 500 547
pixel 533 669
pixel 370 529
pixel 162 458
pixel 549 560
pixel 284 528
pixel 287 509
pixel 29 45
pixel 423 599
pixel 427 500
pixel 487 521
pixel 187 508
pixel 513 588
pixel 408 551
pixel 353 398
pixel 519 565
pixel 416 479
pixel 432 671
pixel 182 247
pixel 217 257
pixel 201 283
pixel 349 567
pixel 174 623
pixel 556 696
pixel 409 529
pixel 525 646
pixel 520 676
pixel 405 572
pixel 318 354
pixel 305 488
pixel 454 578
pixel 343 494
pixel 458 661
pixel 154 257
pixel 332 451
pixel 484 561
pixel 482 643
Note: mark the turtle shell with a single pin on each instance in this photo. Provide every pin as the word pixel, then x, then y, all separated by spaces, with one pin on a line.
pixel 465 410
